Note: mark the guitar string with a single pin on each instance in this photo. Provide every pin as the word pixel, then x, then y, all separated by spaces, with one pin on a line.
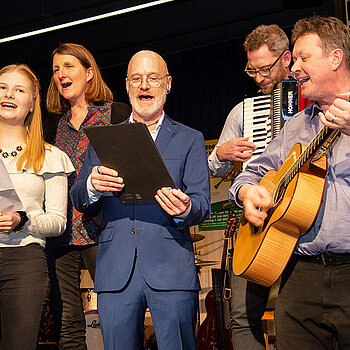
pixel 322 136
pixel 322 140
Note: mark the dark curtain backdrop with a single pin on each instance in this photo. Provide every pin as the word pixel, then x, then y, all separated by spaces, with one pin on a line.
pixel 207 83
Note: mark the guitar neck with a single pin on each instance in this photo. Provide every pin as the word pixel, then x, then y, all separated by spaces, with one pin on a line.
pixel 229 231
pixel 317 147
pixel 224 253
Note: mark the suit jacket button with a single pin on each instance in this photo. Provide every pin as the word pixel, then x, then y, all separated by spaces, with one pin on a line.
pixel 133 230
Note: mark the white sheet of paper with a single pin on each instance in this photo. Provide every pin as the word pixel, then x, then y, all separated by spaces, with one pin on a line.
pixel 9 200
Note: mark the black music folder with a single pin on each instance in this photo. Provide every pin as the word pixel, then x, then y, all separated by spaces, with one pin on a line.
pixel 130 149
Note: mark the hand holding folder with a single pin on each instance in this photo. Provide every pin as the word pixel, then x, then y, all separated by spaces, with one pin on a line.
pixel 131 151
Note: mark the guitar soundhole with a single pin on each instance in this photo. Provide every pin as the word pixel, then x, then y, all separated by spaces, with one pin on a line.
pixel 279 193
pixel 259 229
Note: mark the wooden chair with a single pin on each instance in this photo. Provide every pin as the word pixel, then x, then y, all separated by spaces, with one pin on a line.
pixel 268 316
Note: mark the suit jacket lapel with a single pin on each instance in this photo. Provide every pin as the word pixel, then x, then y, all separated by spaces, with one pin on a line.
pixel 165 133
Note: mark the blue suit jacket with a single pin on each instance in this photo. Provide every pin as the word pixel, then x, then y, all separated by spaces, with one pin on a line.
pixel 164 247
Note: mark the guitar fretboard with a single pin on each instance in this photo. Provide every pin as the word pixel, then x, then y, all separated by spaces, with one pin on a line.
pixel 320 143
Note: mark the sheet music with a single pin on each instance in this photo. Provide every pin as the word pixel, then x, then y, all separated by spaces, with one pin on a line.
pixel 9 200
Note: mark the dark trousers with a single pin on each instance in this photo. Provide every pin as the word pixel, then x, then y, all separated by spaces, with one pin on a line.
pixel 24 287
pixel 313 307
pixel 65 266
pixel 247 307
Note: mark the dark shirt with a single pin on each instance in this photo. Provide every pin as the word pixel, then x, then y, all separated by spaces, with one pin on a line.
pixel 80 230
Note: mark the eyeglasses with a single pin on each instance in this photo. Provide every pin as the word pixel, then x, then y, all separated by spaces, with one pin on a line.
pixel 265 72
pixel 151 81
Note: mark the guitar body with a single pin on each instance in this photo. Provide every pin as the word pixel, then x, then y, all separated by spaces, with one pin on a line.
pixel 261 253
pixel 206 338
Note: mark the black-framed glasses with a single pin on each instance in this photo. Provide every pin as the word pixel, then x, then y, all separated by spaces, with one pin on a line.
pixel 265 72
pixel 151 80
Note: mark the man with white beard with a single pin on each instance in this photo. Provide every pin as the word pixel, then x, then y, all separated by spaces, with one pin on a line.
pixel 145 254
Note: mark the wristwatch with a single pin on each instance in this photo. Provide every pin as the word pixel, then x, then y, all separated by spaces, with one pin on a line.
pixel 24 219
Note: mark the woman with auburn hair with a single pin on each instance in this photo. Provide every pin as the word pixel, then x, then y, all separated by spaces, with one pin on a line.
pixel 38 172
pixel 96 91
pixel 79 95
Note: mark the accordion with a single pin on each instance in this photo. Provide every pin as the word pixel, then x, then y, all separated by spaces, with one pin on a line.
pixel 264 116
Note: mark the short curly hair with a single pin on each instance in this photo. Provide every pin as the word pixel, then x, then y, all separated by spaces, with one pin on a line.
pixel 271 35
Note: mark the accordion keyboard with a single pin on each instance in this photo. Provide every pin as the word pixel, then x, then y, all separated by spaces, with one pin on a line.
pixel 257 123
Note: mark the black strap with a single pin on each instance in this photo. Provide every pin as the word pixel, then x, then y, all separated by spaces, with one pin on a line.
pixel 50 124
pixel 120 112
pixel 220 330
pixel 24 219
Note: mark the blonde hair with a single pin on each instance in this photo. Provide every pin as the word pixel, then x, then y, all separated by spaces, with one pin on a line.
pixel 34 153
pixel 272 36
pixel 97 90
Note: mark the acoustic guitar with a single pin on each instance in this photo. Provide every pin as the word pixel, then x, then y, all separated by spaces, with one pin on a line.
pixel 261 253
pixel 212 334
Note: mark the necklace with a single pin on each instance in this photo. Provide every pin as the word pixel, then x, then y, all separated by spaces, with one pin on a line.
pixel 148 125
pixel 12 153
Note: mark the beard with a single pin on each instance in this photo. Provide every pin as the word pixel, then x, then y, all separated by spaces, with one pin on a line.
pixel 150 110
pixel 280 74
pixel 266 89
